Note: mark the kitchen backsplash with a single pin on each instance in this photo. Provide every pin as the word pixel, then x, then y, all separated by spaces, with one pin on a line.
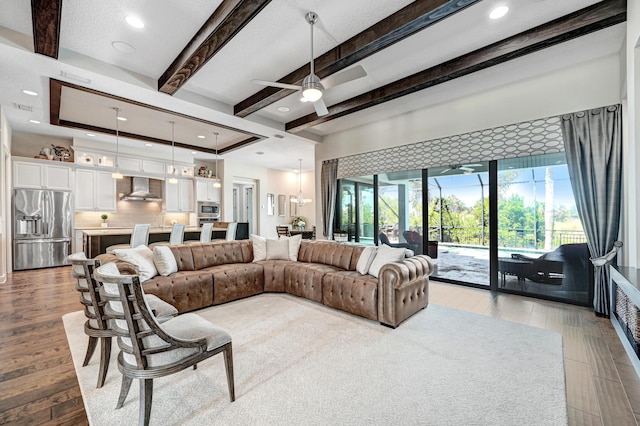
pixel 131 212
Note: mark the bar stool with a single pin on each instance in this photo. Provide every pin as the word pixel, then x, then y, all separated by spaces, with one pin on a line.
pixel 231 232
pixel 176 237
pixel 205 234
pixel 139 237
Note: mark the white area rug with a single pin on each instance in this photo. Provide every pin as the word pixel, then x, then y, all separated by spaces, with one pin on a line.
pixel 300 363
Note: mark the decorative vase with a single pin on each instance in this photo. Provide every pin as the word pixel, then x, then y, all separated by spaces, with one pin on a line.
pixel 104 224
pixel 301 227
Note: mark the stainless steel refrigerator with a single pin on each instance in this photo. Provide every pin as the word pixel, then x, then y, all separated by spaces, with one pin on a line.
pixel 42 228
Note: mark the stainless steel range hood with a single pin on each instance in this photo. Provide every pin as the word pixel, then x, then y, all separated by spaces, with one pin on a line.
pixel 140 191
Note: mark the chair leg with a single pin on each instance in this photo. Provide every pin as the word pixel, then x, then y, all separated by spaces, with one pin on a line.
pixel 124 390
pixel 105 355
pixel 228 364
pixel 91 347
pixel 146 398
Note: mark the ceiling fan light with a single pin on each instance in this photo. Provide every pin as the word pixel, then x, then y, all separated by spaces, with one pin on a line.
pixel 312 94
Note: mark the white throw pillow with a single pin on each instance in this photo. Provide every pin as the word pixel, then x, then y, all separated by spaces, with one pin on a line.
pixel 277 249
pixel 294 246
pixel 384 255
pixel 142 258
pixel 164 260
pixel 366 257
pixel 259 248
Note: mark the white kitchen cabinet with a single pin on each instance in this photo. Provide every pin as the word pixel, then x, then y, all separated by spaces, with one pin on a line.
pixel 95 191
pixel 179 196
pixel 42 175
pixel 206 192
pixel 131 164
pixel 78 241
pixel 154 167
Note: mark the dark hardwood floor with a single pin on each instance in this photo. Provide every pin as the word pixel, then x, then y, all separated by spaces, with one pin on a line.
pixel 38 383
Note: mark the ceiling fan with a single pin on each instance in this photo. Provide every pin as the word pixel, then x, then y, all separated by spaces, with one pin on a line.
pixel 312 87
pixel 466 168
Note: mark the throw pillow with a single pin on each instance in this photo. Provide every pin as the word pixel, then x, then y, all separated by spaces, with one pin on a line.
pixel 384 255
pixel 277 249
pixel 142 258
pixel 366 257
pixel 294 246
pixel 164 260
pixel 259 248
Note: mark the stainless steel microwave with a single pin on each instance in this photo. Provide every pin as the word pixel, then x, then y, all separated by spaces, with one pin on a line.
pixel 208 209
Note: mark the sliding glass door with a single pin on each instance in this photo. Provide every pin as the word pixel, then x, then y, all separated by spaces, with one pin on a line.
pixel 542 245
pixel 458 212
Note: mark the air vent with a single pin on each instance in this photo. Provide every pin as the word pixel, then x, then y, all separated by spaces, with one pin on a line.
pixel 23 107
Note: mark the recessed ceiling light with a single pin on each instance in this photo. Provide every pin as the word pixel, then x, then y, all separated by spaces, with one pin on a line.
pixel 121 118
pixel 34 121
pixel 134 21
pixel 123 47
pixel 193 152
pixel 201 136
pixel 148 144
pixel 283 109
pixel 499 12
pixel 29 92
pixel 259 153
pixel 91 135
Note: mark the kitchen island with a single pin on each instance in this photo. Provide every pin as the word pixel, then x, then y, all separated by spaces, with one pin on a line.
pixel 96 241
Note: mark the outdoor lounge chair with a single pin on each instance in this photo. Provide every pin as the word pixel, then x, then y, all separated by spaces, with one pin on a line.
pixel 553 267
pixel 382 237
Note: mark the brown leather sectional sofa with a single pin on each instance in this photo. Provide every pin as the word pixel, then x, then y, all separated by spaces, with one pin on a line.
pixel 325 272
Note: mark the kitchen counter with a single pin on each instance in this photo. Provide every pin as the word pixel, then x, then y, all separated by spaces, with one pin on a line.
pixel 96 240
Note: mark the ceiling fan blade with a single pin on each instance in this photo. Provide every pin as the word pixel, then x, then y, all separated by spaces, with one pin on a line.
pixel 467 169
pixel 344 77
pixel 321 108
pixel 276 84
pixel 473 165
pixel 444 171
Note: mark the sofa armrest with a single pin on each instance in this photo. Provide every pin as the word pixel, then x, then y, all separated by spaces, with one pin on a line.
pixel 403 289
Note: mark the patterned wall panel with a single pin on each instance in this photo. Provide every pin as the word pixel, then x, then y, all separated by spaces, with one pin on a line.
pixel 525 139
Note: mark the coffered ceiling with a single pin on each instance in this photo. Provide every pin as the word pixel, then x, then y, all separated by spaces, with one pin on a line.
pixel 194 61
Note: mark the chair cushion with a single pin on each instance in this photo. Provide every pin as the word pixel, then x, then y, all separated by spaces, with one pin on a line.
pixel 184 327
pixel 164 261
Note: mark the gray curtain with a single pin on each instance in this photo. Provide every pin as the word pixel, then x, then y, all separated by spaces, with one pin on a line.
pixel 593 143
pixel 329 188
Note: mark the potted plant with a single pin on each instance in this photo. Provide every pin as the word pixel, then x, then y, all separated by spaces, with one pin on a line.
pixel 104 218
pixel 340 235
pixel 299 222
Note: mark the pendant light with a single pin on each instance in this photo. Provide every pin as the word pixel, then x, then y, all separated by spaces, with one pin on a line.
pixel 173 179
pixel 216 181
pixel 116 174
pixel 301 201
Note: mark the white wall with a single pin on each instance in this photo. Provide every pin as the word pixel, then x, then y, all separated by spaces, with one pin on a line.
pixel 588 85
pixel 5 197
pixel 269 181
pixel 631 155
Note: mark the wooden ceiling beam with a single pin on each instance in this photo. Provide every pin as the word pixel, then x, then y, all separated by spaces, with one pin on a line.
pixel 224 24
pixel 593 18
pixel 407 21
pixel 45 17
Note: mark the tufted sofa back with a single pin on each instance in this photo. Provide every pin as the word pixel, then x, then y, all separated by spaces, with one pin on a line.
pixel 343 256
